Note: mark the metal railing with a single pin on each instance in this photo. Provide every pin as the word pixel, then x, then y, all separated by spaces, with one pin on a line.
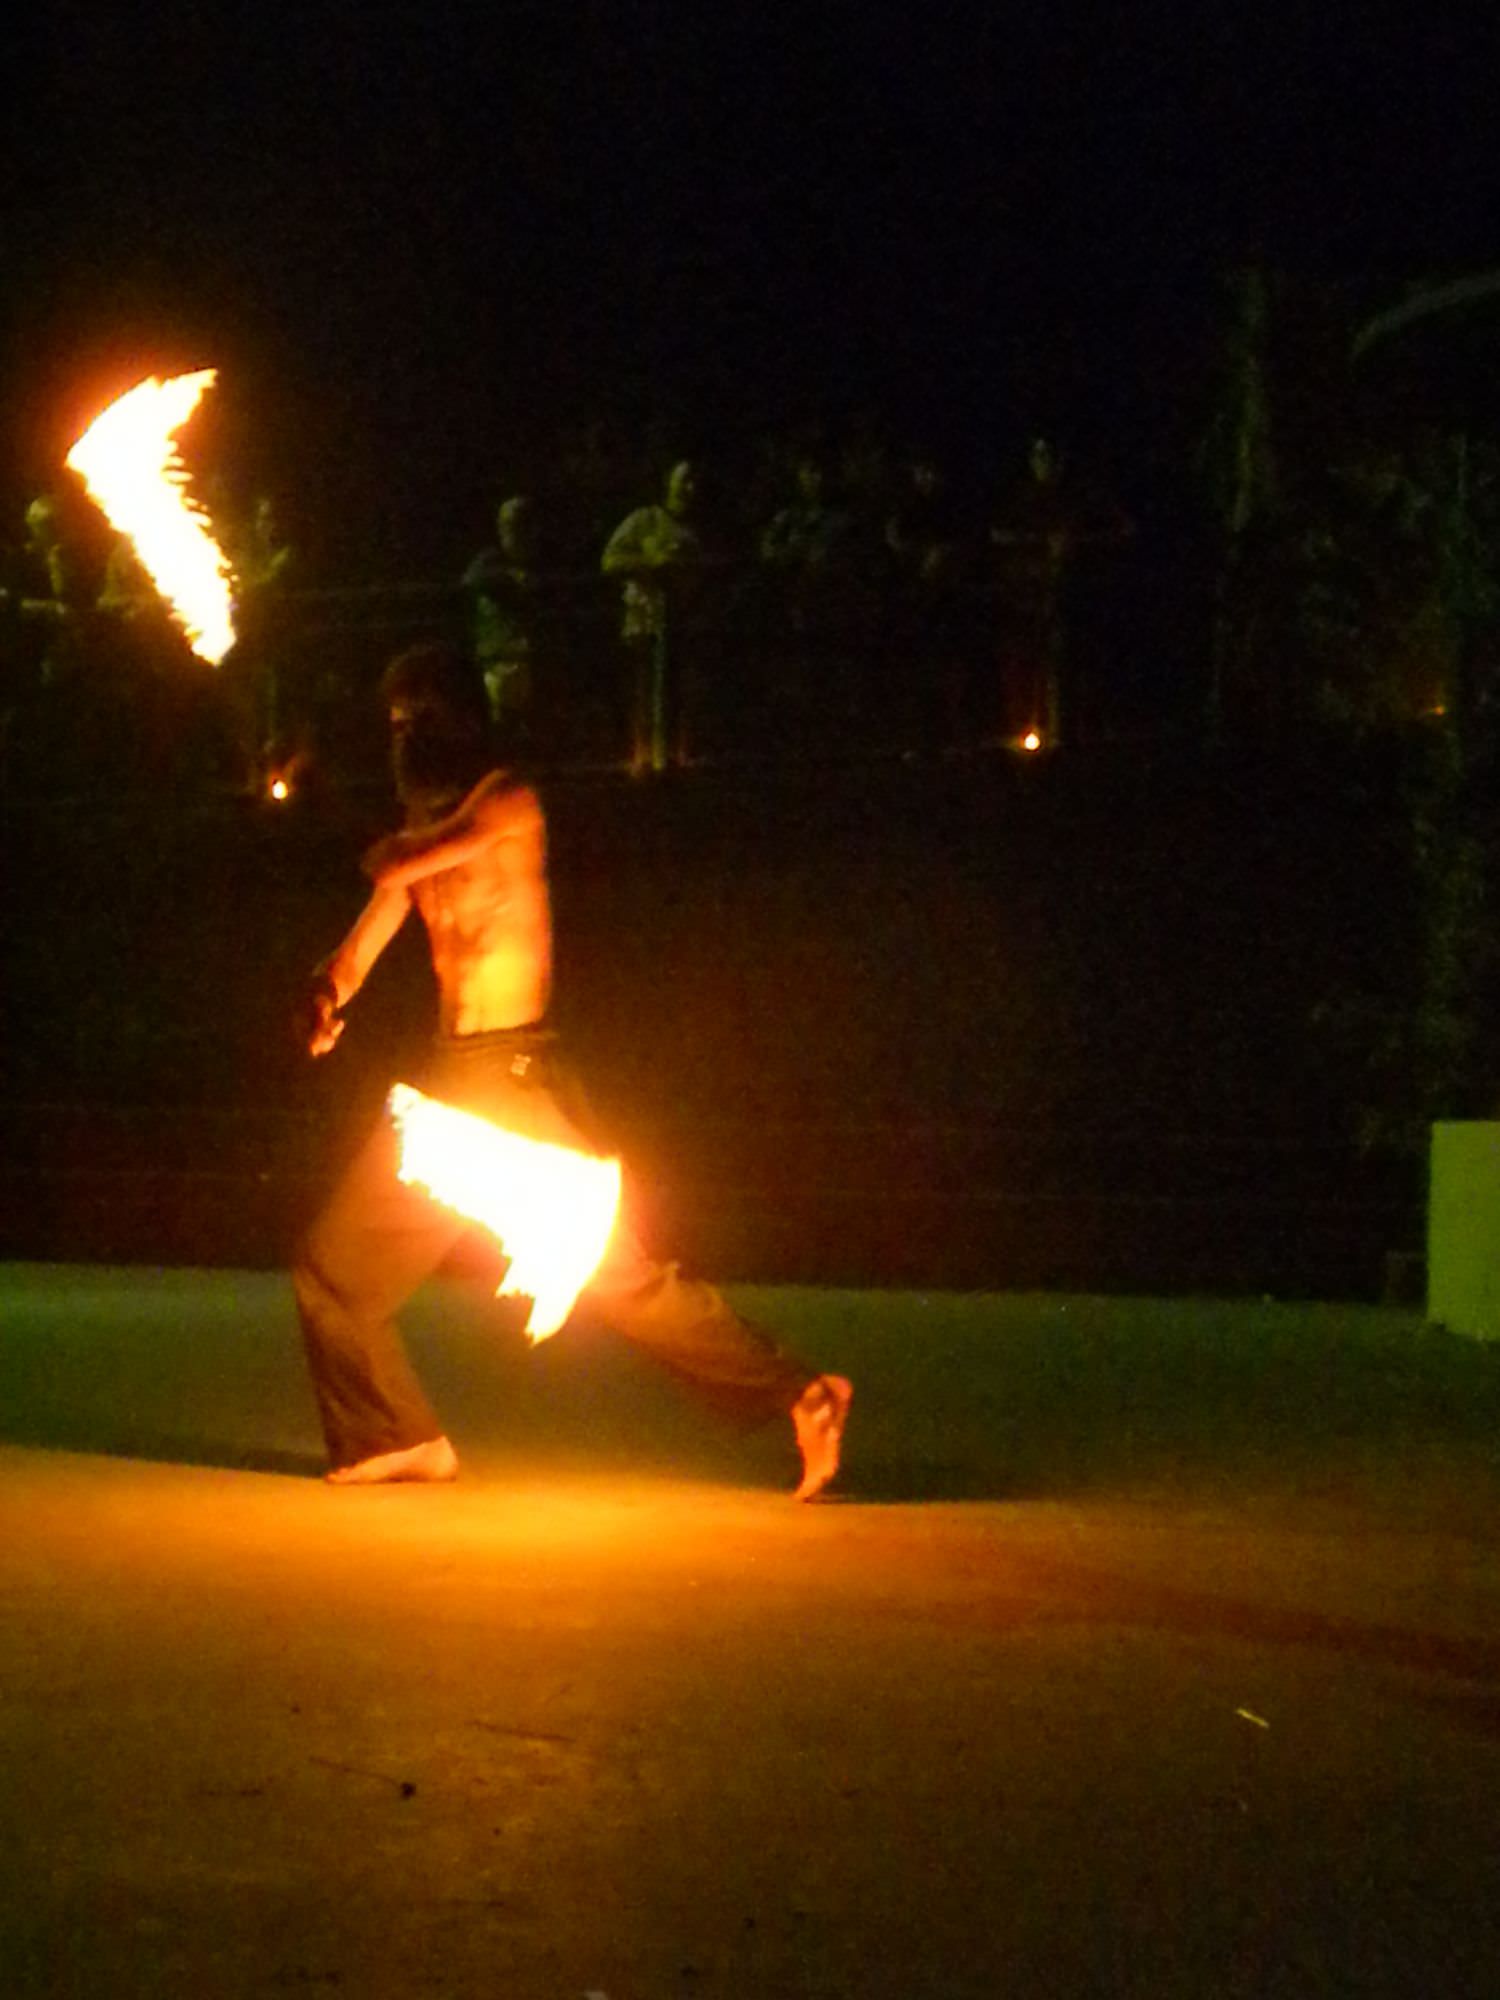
pixel 744 669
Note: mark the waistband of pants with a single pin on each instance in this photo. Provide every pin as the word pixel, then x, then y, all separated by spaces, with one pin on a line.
pixel 531 1039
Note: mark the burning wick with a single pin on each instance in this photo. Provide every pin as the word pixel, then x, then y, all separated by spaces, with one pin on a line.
pixel 551 1209
pixel 129 462
pixel 1031 740
pixel 279 789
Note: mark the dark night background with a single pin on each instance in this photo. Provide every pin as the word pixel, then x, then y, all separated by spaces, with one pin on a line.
pixel 421 245
pixel 416 241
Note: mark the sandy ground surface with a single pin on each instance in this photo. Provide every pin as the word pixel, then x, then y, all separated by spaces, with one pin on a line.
pixel 1153 1649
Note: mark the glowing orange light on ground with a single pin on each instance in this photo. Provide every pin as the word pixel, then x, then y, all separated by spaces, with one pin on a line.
pixel 1031 740
pixel 552 1209
pixel 279 789
pixel 129 461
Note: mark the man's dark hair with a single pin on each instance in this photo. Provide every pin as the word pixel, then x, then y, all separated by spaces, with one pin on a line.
pixel 438 673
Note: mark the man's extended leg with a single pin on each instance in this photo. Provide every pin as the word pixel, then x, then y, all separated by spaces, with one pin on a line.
pixel 690 1328
pixel 365 1255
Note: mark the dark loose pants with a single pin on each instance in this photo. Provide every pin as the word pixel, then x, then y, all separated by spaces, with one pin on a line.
pixel 377 1239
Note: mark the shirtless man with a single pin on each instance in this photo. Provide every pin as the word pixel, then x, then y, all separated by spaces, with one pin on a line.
pixel 471 859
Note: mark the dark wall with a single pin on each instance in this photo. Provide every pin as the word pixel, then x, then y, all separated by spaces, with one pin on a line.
pixel 981 1023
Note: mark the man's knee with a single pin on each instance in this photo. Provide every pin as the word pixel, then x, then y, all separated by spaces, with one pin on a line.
pixel 317 1300
pixel 634 1290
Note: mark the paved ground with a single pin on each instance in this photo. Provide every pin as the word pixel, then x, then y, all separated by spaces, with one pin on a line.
pixel 1154 1650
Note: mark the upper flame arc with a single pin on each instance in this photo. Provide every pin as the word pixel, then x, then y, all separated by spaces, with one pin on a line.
pixel 128 460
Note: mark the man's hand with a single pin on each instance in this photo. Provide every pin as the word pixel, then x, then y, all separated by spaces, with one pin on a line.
pixel 320 1021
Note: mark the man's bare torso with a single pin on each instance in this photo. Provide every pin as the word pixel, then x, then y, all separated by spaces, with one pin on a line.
pixel 489 924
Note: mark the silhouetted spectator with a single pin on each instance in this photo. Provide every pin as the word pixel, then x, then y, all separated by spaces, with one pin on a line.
pixel 51 590
pixel 658 551
pixel 38 604
pixel 260 549
pixel 1040 526
pixel 805 538
pixel 52 683
pixel 932 606
pixel 259 674
pixel 503 586
pixel 819 605
pixel 866 477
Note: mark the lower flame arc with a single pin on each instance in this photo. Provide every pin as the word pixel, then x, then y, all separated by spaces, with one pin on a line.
pixel 552 1209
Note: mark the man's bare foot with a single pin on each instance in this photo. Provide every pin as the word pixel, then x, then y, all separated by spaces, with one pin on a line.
pixel 434 1460
pixel 820 1414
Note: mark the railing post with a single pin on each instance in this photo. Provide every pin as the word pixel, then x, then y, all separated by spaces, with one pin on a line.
pixel 657 708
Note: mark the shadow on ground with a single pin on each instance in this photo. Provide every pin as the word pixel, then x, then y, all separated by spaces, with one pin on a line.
pixel 959 1397
pixel 111 1441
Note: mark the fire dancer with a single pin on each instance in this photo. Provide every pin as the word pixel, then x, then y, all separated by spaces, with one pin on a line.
pixel 471 858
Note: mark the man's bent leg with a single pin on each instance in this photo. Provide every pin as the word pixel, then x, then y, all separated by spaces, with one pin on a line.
pixel 367 1252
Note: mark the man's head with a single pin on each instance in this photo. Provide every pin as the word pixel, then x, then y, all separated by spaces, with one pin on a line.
pixel 439 719
pixel 513 526
pixel 811 479
pixel 682 487
pixel 44 522
pixel 265 519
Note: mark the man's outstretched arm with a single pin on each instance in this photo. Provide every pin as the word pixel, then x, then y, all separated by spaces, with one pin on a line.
pixel 345 970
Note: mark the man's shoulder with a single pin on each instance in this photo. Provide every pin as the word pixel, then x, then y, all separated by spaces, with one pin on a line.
pixel 508 789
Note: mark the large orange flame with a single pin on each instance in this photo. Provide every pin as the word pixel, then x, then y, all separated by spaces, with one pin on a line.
pixel 129 461
pixel 551 1208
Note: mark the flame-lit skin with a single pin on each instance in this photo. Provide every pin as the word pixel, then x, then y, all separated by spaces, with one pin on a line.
pixel 478 877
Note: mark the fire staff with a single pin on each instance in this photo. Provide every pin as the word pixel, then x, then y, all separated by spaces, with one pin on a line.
pixel 471 858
